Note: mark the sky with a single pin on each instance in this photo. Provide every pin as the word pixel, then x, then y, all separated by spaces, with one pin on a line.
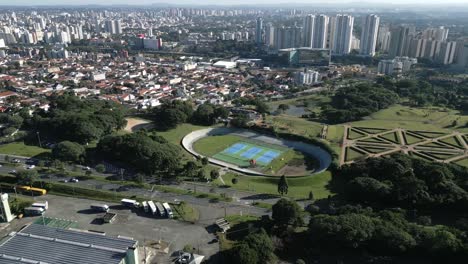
pixel 221 2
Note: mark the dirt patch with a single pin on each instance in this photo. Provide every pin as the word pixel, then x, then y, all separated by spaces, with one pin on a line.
pixel 135 124
pixel 293 170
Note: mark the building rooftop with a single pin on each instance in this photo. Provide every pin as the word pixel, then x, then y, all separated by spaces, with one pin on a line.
pixel 44 244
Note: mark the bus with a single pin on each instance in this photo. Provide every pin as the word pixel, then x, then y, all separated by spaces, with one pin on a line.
pixel 160 209
pixel 145 206
pixel 33 211
pixel 168 210
pixel 129 203
pixel 41 204
pixel 37 191
pixel 100 207
pixel 152 207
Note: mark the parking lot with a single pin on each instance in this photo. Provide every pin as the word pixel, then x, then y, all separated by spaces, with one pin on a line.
pixel 135 224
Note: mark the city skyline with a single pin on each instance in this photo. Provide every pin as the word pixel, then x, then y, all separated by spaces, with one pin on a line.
pixel 232 2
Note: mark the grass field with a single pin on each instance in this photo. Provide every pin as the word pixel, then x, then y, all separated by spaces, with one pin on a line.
pixel 20 149
pixel 298 187
pixel 209 146
pixel 430 118
pixel 176 135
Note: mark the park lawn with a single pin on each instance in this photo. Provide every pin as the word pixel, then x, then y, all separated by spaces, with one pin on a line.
pixel 295 125
pixel 20 149
pixel 212 145
pixel 176 135
pixel 298 187
pixel 412 118
pixel 462 162
pixel 392 137
pixel 352 154
pixel 452 141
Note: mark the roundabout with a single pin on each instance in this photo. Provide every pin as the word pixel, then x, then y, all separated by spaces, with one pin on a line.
pixel 240 149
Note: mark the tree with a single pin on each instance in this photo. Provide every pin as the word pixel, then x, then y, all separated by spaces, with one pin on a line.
pixel 27 177
pixel 68 151
pixel 311 196
pixel 201 175
pixel 100 168
pixel 283 107
pixel 283 186
pixel 261 243
pixel 214 174
pixel 190 169
pixel 234 180
pixel 286 212
pixel 243 254
pixel 204 161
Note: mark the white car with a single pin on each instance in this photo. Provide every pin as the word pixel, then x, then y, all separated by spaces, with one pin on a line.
pixel 30 167
pixel 73 180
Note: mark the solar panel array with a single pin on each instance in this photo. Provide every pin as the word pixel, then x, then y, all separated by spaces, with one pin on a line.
pixel 54 245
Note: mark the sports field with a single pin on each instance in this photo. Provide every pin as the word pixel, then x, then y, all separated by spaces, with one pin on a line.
pixel 241 153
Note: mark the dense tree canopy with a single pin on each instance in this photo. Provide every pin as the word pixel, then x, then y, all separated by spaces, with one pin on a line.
pixel 74 119
pixel 141 152
pixel 68 151
pixel 286 212
pixel 353 103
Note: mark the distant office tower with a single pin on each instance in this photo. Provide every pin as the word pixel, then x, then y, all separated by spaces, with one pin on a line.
pixel 259 31
pixel 383 39
pixel 343 34
pixel 399 41
pixel 150 32
pixel 308 30
pixel 270 35
pixel 370 28
pixel 319 40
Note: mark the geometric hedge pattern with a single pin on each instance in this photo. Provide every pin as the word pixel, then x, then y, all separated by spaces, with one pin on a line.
pixel 365 142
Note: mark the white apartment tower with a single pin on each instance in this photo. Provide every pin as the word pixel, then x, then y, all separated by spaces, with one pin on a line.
pixel 308 31
pixel 320 32
pixel 343 34
pixel 370 29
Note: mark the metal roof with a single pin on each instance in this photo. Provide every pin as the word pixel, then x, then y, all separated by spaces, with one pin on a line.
pixel 43 244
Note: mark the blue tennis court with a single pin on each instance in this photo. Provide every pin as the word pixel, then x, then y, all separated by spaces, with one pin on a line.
pixel 251 152
pixel 235 148
pixel 268 156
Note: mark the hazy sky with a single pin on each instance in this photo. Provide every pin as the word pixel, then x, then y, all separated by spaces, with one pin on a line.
pixel 133 2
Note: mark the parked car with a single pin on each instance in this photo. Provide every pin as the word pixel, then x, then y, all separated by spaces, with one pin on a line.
pixel 74 180
pixel 16 161
pixel 86 168
pixel 30 167
pixel 12 172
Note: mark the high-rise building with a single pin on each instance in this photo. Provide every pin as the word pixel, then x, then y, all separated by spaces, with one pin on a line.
pixel 319 40
pixel 109 26
pixel 439 33
pixel 259 31
pixel 383 39
pixel 118 26
pixel 447 52
pixel 270 35
pixel 288 37
pixel 399 41
pixel 370 28
pixel 343 35
pixel 308 30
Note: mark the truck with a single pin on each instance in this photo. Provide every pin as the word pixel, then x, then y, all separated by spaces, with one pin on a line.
pixel 33 211
pixel 144 205
pixel 168 210
pixel 130 203
pixel 152 207
pixel 160 209
pixel 41 204
pixel 100 207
